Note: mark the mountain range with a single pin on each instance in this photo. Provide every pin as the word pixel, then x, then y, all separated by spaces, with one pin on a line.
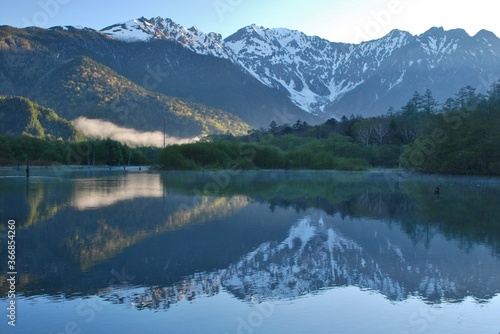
pixel 138 73
pixel 328 79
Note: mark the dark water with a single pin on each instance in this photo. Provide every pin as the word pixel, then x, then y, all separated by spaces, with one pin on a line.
pixel 252 252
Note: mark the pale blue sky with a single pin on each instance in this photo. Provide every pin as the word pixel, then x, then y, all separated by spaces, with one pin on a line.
pixel 335 20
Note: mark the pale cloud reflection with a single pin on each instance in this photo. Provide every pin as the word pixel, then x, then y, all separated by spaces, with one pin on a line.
pixel 99 195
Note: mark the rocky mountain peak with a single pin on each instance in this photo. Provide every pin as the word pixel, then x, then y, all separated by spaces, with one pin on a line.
pixel 143 30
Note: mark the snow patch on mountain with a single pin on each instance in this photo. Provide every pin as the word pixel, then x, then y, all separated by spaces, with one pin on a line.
pixel 130 31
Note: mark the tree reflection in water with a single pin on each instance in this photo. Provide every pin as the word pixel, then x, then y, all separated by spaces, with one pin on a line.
pixel 265 235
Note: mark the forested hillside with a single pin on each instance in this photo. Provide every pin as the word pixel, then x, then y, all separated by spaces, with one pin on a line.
pixel 458 137
pixel 20 116
pixel 81 72
pixel 86 87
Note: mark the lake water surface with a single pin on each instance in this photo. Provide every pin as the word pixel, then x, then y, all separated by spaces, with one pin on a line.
pixel 251 252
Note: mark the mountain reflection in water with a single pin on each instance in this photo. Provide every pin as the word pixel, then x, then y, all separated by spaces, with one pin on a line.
pixel 153 239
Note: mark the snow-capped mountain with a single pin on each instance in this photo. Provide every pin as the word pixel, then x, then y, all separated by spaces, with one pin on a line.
pixel 289 60
pixel 333 79
pixel 260 75
pixel 165 29
pixel 368 78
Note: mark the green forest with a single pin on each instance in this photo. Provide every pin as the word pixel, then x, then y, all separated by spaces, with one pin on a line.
pixel 460 136
pixel 31 133
pixel 21 116
pixel 20 150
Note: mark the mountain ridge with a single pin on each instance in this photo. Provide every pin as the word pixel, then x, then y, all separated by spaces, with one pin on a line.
pixel 144 30
pixel 317 74
pixel 165 67
pixel 257 74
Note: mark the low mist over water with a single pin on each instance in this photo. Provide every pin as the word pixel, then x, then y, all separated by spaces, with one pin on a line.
pixel 100 129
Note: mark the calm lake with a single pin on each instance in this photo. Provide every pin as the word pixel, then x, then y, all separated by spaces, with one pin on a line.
pixel 250 252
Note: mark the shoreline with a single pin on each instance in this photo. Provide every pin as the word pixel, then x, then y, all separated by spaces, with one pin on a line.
pixel 57 170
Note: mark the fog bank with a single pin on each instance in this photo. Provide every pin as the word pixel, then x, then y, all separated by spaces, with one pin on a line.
pixel 100 129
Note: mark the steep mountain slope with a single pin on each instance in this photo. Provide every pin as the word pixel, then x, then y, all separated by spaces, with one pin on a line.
pixel 291 61
pixel 367 78
pixel 442 61
pixel 163 66
pixel 168 68
pixel 20 116
pixel 86 87
pixel 165 29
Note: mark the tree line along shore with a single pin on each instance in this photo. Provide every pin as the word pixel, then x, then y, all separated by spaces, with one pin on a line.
pixel 459 136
